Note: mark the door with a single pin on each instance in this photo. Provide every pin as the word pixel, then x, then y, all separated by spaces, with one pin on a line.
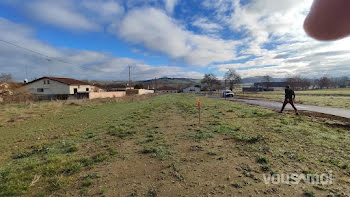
pixel 75 90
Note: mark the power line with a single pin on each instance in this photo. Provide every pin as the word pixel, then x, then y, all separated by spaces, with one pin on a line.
pixel 36 52
pixel 48 58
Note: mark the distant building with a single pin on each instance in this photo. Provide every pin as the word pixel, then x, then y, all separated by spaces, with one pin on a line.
pixel 116 87
pixel 139 92
pixel 59 88
pixel 252 89
pixel 167 89
pixel 347 85
pixel 192 89
pixel 272 86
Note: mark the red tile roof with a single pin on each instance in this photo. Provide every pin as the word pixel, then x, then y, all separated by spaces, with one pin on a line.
pixel 67 81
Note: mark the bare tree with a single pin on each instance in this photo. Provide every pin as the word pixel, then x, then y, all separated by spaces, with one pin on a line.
pixel 232 77
pixel 305 83
pixel 340 82
pixel 298 83
pixel 210 82
pixel 5 77
pixel 267 80
pixel 324 82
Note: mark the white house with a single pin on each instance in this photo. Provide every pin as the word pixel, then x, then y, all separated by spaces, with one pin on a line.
pixel 52 87
pixel 192 89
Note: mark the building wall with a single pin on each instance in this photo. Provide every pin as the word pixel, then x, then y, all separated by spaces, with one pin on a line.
pixel 191 90
pixel 278 88
pixel 53 87
pixel 144 91
pixel 95 95
pixel 81 88
pixel 166 91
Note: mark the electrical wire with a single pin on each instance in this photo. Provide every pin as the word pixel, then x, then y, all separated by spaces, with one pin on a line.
pixel 48 58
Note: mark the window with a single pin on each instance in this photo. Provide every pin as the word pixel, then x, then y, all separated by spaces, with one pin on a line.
pixel 40 90
pixel 44 81
pixel 48 81
pixel 87 89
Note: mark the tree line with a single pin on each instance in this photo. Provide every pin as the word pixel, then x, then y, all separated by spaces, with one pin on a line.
pixel 210 82
pixel 300 83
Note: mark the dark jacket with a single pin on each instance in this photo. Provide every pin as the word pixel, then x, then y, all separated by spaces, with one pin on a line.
pixel 289 94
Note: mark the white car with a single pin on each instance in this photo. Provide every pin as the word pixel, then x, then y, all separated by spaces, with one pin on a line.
pixel 227 93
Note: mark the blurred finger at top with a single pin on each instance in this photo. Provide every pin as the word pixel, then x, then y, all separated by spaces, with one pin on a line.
pixel 328 19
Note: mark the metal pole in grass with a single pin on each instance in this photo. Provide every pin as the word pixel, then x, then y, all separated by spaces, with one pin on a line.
pixel 199 110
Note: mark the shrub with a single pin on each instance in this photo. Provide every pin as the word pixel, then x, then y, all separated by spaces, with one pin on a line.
pixel 309 193
pixel 262 160
pixel 120 131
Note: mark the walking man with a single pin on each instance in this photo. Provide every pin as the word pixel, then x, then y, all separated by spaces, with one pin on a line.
pixel 289 98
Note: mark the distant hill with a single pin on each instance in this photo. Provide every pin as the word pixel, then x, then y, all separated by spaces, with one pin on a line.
pixel 173 82
pixel 184 82
pixel 260 79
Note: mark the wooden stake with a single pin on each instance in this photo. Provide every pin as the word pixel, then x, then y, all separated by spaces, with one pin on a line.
pixel 199 110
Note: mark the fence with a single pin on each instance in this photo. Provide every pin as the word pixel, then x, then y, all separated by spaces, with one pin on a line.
pixel 139 92
pixel 143 91
pixel 95 95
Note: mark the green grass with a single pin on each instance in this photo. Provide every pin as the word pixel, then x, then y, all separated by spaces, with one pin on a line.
pixel 331 97
pixel 262 160
pixel 323 92
pixel 54 154
pixel 309 193
pixel 55 150
pixel 156 151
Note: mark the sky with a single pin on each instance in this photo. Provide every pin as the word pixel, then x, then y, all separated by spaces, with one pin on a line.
pixel 99 39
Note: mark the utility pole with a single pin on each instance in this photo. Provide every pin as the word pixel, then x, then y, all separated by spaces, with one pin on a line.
pixel 26 72
pixel 129 77
pixel 156 84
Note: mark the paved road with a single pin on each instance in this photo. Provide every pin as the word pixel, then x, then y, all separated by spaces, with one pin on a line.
pixel 301 107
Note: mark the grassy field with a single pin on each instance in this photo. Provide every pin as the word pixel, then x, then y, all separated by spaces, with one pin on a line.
pixel 323 92
pixel 155 147
pixel 329 97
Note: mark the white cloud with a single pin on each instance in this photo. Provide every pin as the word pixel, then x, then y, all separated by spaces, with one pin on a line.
pixel 107 11
pixel 81 15
pixel 139 71
pixel 59 13
pixel 130 4
pixel 66 62
pixel 271 29
pixel 206 26
pixel 170 5
pixel 23 36
pixel 158 32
